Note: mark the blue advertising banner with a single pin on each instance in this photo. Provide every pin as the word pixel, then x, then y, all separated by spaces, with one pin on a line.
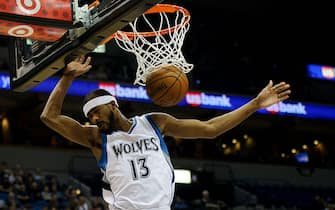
pixel 193 98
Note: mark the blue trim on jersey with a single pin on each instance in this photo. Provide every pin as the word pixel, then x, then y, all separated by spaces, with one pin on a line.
pixel 133 125
pixel 103 159
pixel 158 132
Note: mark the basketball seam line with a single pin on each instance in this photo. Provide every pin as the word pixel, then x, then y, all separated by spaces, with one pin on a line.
pixel 170 87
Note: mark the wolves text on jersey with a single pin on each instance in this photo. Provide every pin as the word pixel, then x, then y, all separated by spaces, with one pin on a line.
pixel 138 146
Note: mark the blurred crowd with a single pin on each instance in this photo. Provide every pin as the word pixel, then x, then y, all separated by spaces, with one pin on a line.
pixel 24 189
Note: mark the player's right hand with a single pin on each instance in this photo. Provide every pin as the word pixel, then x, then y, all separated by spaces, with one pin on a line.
pixel 78 66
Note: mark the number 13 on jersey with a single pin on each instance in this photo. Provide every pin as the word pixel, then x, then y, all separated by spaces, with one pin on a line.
pixel 139 168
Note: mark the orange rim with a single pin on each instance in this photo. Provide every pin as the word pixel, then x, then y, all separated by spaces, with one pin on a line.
pixel 166 8
pixel 94 4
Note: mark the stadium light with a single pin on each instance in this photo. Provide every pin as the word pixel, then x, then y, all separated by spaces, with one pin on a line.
pixel 183 176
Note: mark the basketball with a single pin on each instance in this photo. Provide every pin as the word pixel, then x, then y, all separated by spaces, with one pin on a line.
pixel 166 86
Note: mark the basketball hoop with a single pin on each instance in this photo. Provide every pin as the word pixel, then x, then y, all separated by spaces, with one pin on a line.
pixel 159 45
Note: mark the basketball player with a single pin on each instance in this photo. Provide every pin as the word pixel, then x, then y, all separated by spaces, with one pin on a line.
pixel 131 152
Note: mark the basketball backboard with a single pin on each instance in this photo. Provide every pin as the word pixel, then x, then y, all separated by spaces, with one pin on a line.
pixel 42 53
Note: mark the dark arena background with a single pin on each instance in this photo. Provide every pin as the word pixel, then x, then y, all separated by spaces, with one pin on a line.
pixel 278 159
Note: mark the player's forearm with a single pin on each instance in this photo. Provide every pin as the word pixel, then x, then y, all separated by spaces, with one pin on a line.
pixel 54 104
pixel 228 121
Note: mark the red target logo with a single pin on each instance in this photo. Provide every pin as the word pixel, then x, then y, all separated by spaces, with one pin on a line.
pixel 21 31
pixel 29 7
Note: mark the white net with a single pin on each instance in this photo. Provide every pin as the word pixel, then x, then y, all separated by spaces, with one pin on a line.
pixel 159 50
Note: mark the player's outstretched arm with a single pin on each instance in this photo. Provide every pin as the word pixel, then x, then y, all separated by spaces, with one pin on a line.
pixel 191 128
pixel 51 115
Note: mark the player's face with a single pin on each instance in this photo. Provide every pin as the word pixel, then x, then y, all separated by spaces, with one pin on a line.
pixel 103 117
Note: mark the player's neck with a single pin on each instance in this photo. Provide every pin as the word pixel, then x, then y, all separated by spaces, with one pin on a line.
pixel 124 123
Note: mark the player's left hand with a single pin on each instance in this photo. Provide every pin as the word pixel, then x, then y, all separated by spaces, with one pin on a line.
pixel 272 94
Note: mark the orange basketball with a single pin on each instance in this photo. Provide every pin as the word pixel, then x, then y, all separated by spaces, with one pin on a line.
pixel 167 86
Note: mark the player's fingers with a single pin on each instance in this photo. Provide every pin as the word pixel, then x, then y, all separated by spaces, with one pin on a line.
pixel 87 68
pixel 280 87
pixel 81 58
pixel 283 88
pixel 283 98
pixel 269 85
pixel 284 93
pixel 276 86
pixel 88 61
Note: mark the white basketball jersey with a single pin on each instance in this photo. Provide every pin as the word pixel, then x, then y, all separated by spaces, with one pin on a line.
pixel 137 166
